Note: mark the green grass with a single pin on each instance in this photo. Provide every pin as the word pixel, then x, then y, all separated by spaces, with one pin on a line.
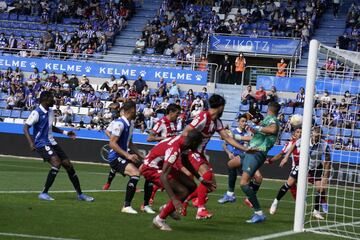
pixel 23 213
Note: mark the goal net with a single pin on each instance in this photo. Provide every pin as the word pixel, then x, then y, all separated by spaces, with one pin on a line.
pixel 328 199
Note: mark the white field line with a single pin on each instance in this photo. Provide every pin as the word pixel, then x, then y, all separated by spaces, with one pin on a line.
pixel 32 236
pixel 273 235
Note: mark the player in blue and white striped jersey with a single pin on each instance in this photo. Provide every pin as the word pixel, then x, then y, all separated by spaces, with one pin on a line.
pixel 42 119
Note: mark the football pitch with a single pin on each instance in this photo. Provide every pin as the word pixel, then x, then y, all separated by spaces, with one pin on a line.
pixel 23 216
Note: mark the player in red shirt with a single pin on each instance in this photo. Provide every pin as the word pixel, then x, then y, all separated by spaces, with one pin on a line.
pixel 160 168
pixel 292 148
pixel 166 126
pixel 163 128
pixel 207 122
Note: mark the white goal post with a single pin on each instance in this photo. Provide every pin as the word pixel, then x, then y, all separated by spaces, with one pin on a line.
pixel 338 121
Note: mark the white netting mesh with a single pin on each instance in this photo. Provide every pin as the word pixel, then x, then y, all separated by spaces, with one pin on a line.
pixel 337 115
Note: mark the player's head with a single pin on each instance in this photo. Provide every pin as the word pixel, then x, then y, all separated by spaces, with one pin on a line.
pixel 47 99
pixel 128 109
pixel 217 103
pixel 316 134
pixel 242 119
pixel 193 140
pixel 173 111
pixel 274 108
pixel 297 132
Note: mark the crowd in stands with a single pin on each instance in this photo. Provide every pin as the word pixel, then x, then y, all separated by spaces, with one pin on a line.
pixel 350 40
pixel 98 103
pixel 179 27
pixel 339 119
pixel 97 23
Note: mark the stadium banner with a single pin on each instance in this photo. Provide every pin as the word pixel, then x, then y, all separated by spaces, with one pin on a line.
pixel 267 46
pixel 292 84
pixel 105 70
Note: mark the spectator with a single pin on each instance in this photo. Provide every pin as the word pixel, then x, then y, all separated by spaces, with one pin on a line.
pixel 161 87
pixel 272 95
pixel 196 111
pixel 154 103
pixel 240 64
pixel 248 96
pixel 68 114
pixel 139 85
pixel 73 82
pixel 281 66
pixel 107 85
pixel 203 63
pixel 163 106
pixel 336 5
pixel 139 46
pixel 174 89
pixel 325 100
pixel 350 145
pixel 260 96
pixel 225 70
pixel 198 102
pixel 338 144
pixel 300 99
pixel 145 94
pixel 11 101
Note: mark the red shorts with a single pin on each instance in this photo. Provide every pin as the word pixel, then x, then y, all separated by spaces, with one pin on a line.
pixel 198 159
pixel 153 175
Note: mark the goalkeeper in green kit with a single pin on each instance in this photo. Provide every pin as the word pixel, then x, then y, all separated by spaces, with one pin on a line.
pixel 264 138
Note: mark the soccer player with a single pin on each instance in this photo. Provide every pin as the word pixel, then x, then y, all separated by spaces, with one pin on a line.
pixel 120 159
pixel 166 126
pixel 207 122
pixel 264 138
pixel 160 167
pixel 291 148
pixel 112 172
pixel 319 170
pixel 42 119
pixel 235 155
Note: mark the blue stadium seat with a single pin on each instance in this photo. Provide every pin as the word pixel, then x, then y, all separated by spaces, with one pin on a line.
pixel 347 132
pixel 356 133
pixel 264 108
pixel 13 16
pixel 86 119
pixel 22 18
pixel 285 136
pixel 77 118
pixel 244 108
pixel 3 104
pixel 288 110
pixel 5 113
pixel 4 16
pixel 15 113
pixel 25 114
pixel 159 99
pixel 318 112
pixel 299 111
pixel 325 130
pixel 318 121
pixel 105 96
pixel 150 50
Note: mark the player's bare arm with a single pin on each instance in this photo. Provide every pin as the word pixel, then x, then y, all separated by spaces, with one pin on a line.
pixel 28 137
pixel 67 133
pixel 231 141
pixel 153 138
pixel 229 153
pixel 113 144
pixel 287 155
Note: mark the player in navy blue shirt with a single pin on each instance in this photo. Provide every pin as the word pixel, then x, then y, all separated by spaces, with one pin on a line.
pixel 42 119
pixel 120 158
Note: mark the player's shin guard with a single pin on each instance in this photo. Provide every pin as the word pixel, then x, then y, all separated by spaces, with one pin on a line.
pixel 283 190
pixel 130 190
pixel 202 190
pixel 254 186
pixel 112 174
pixel 251 195
pixel 50 179
pixel 148 189
pixel 293 190
pixel 167 210
pixel 74 180
pixel 232 179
